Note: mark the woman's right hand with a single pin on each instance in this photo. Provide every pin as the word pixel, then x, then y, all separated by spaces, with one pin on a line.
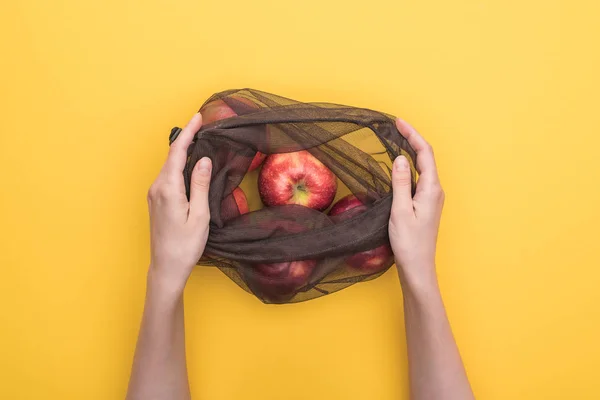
pixel 414 221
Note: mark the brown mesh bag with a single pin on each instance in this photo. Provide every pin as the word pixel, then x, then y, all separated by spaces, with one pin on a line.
pixel 300 193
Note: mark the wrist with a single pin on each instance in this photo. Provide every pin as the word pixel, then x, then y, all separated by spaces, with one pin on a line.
pixel 418 281
pixel 421 295
pixel 163 288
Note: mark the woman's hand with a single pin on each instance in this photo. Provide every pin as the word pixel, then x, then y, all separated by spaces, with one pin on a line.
pixel 414 222
pixel 435 368
pixel 178 234
pixel 178 228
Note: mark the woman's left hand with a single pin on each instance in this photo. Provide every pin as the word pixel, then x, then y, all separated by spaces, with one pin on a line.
pixel 178 227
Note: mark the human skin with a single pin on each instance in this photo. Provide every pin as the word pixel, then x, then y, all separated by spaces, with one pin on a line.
pixel 435 367
pixel 178 234
pixel 179 230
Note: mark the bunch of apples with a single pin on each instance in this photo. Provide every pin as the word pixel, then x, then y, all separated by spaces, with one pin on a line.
pixel 295 178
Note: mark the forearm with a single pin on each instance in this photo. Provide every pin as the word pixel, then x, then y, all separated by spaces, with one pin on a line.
pixel 159 368
pixel 435 368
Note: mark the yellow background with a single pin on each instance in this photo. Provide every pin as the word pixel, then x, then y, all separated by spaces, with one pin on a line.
pixel 506 91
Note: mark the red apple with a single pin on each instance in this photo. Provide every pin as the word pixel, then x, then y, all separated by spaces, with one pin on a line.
pixel 229 211
pixel 240 200
pixel 277 282
pixel 370 261
pixel 257 161
pixel 217 110
pixel 373 260
pixel 296 178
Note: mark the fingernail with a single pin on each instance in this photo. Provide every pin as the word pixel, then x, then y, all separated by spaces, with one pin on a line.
pixel 204 166
pixel 401 163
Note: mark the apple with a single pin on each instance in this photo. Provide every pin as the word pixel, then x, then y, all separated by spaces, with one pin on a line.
pixel 240 200
pixel 257 161
pixel 217 110
pixel 277 282
pixel 369 261
pixel 296 178
pixel 229 211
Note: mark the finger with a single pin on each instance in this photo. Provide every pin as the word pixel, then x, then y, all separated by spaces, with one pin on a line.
pixel 199 186
pixel 178 151
pixel 402 203
pixel 426 167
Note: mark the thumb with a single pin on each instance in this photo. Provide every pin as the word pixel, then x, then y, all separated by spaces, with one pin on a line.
pixel 199 186
pixel 402 202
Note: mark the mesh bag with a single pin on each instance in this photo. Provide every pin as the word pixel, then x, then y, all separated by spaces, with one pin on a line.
pixel 300 193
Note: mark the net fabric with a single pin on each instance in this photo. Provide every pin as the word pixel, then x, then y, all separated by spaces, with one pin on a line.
pixel 261 249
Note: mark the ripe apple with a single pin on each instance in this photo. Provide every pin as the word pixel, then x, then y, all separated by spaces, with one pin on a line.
pixel 369 261
pixel 240 200
pixel 296 178
pixel 257 161
pixel 229 211
pixel 217 110
pixel 277 282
